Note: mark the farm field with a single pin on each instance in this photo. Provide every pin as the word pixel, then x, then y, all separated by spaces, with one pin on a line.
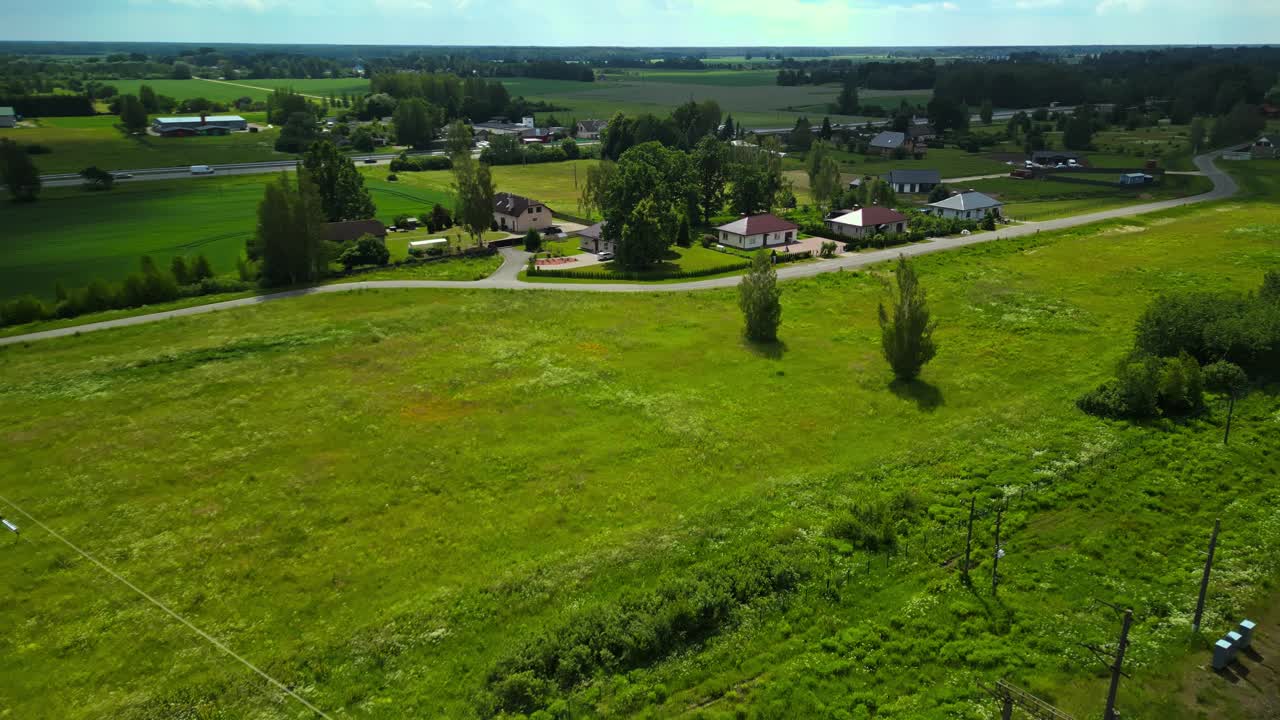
pixel 72 236
pixel 232 90
pixel 78 142
pixel 1044 199
pixel 368 496
pixel 950 162
pixel 555 184
pixel 752 97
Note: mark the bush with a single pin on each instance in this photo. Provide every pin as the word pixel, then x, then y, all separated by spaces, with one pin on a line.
pixel 1224 378
pixel 366 250
pixel 419 163
pixel 707 241
pixel 781 258
pixel 828 249
pixel 22 310
pixel 392 177
pixel 1244 330
pixel 38 149
pixel 1147 387
pixel 532 241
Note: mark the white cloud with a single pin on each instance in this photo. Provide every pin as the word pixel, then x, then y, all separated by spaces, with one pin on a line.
pixel 1107 7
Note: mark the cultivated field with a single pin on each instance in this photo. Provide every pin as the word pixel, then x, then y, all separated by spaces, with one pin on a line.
pixel 380 498
pixel 257 89
pixel 75 236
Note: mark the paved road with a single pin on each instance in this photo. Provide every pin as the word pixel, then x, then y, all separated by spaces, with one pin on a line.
pixel 514 260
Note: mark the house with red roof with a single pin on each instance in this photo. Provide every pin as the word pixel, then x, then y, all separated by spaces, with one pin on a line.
pixel 868 221
pixel 757 231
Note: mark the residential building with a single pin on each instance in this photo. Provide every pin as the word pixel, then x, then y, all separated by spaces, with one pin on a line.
pixel 868 221
pixel 1264 148
pixel 965 206
pixel 887 143
pixel 591 129
pixel 913 181
pixel 206 122
pixel 922 132
pixel 591 239
pixel 346 231
pixel 517 214
pixel 8 118
pixel 757 231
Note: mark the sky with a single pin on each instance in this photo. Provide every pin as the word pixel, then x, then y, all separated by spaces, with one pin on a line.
pixel 649 22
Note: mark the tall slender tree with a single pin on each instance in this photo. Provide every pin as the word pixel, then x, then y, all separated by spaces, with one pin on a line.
pixel 473 190
pixel 710 161
pixel 760 300
pixel 340 186
pixel 132 113
pixel 906 329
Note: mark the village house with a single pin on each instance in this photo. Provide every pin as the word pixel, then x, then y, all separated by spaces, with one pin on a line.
pixel 591 129
pixel 921 132
pixel 913 181
pixel 965 206
pixel 591 239
pixel 887 143
pixel 516 214
pixel 1264 149
pixel 757 231
pixel 867 221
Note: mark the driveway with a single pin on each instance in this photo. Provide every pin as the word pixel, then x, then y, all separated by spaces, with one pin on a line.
pixel 514 261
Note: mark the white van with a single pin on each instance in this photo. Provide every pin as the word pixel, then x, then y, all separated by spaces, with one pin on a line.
pixel 201 170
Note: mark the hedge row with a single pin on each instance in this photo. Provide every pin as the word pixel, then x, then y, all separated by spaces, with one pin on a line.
pixel 406 163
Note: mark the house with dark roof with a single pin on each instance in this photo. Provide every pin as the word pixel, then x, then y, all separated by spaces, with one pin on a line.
pixel 591 239
pixel 348 230
pixel 921 132
pixel 205 123
pixel 591 129
pixel 913 181
pixel 517 214
pixel 887 143
pixel 868 221
pixel 757 231
pixel 965 206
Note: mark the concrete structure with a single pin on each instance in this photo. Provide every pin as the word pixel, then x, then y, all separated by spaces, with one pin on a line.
pixel 591 129
pixel 517 214
pixel 227 122
pixel 913 181
pixel 965 206
pixel 8 118
pixel 757 231
pixel 591 239
pixel 868 221
pixel 1223 654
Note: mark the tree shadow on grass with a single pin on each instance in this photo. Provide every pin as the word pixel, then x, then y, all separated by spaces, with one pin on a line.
pixel 768 350
pixel 926 395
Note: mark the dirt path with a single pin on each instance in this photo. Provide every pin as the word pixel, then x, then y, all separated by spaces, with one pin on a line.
pixel 254 87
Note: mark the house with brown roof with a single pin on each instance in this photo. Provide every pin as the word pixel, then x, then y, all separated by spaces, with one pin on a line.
pixel 592 240
pixel 868 221
pixel 517 214
pixel 346 231
pixel 757 231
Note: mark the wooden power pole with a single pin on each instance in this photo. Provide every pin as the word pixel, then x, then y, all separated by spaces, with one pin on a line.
pixel 995 556
pixel 1208 567
pixel 1117 661
pixel 968 541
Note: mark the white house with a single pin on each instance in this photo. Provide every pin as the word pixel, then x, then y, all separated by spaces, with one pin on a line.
pixel 757 231
pixel 913 181
pixel 868 221
pixel 591 239
pixel 517 214
pixel 966 206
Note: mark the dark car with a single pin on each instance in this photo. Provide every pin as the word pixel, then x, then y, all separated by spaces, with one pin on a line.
pixel 370 161
pixel 553 230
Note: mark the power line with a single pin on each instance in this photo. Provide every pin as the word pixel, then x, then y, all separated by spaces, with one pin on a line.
pixel 212 640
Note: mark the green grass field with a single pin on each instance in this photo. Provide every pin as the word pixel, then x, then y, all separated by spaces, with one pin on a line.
pixel 232 90
pixel 1042 199
pixel 556 184
pixel 75 236
pixel 378 496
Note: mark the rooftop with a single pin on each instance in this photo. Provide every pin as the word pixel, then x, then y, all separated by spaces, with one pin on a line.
pixel 7 111
pixel 758 225
pixel 870 217
pixel 509 204
pixel 888 139
pixel 967 201
pixel 915 176
pixel 197 118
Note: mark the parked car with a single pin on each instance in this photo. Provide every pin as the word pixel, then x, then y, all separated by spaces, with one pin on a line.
pixel 371 161
pixel 552 230
pixel 604 256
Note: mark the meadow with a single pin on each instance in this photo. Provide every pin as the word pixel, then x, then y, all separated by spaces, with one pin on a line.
pixel 1045 199
pixel 73 236
pixel 232 90
pixel 392 500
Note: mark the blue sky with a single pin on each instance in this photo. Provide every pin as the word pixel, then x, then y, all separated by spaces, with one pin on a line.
pixel 649 22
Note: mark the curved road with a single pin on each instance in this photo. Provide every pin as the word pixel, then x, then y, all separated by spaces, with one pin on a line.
pixel 514 261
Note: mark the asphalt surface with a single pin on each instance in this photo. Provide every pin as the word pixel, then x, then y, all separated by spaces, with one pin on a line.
pixel 514 260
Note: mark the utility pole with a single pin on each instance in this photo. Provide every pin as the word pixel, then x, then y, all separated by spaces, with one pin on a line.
pixel 1117 661
pixel 1231 408
pixel 995 556
pixel 1208 566
pixel 968 540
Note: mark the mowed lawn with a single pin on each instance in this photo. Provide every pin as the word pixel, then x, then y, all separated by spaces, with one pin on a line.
pixel 378 495
pixel 257 89
pixel 73 236
pixel 557 184
pixel 1044 199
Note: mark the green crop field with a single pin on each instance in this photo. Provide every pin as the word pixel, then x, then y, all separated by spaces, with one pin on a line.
pixel 72 236
pixel 751 96
pixel 1043 199
pixel 232 90
pixel 381 497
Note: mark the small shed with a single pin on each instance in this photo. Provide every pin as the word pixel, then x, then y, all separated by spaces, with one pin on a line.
pixel 1135 179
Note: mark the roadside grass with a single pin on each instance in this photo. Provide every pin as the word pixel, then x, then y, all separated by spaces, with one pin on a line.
pixel 454 268
pixel 1044 199
pixel 368 495
pixel 73 236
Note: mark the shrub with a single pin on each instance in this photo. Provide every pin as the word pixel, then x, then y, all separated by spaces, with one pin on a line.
pixel 683 238
pixel 532 241
pixel 366 250
pixel 781 258
pixel 392 177
pixel 1225 378
pixel 22 310
pixel 760 300
pixel 419 163
pixel 708 240
pixel 828 249
pixel 1147 387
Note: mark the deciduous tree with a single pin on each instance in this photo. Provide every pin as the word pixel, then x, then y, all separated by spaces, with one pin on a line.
pixel 760 300
pixel 17 172
pixel 906 330
pixel 416 122
pixel 473 190
pixel 341 187
pixel 132 113
pixel 710 161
